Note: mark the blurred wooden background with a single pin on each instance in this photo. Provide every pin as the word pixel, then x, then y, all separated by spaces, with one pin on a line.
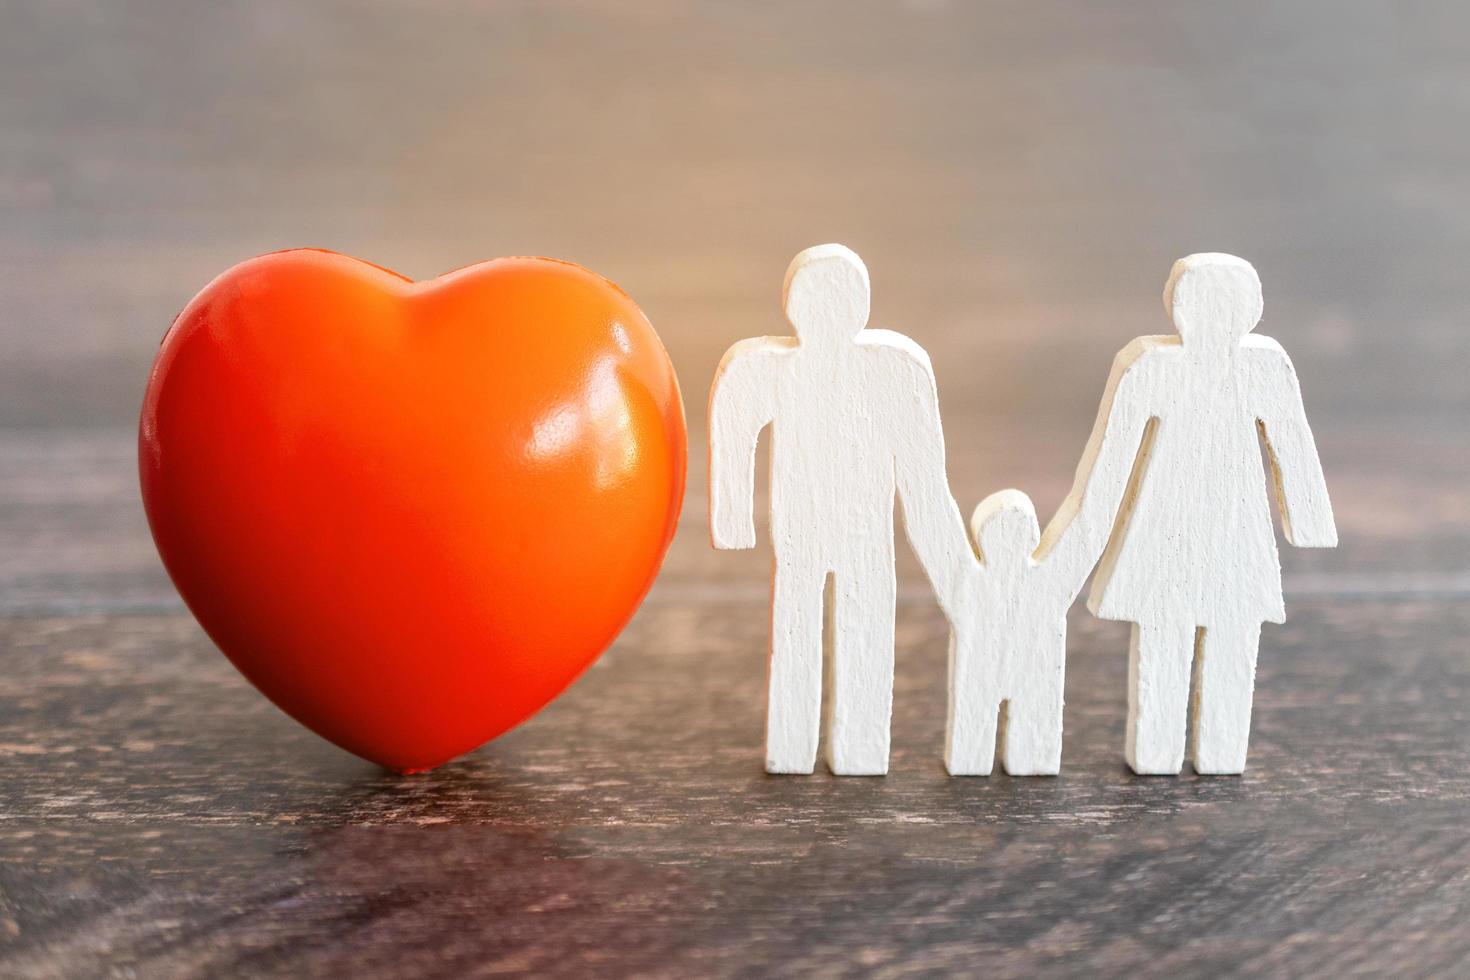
pixel 1018 177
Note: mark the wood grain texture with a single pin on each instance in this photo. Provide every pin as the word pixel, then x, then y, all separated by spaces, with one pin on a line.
pixel 158 815
pixel 1018 176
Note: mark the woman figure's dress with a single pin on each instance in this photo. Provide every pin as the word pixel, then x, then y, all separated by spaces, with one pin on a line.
pixel 1193 544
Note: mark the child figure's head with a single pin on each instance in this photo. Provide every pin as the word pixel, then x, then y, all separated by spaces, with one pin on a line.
pixel 1005 528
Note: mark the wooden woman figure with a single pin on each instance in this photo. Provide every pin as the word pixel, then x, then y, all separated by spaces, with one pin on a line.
pixel 1192 559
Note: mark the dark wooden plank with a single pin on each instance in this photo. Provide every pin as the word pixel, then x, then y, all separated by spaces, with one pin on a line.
pixel 157 815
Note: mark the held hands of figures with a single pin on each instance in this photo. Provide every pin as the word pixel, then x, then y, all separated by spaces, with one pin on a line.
pixel 1170 503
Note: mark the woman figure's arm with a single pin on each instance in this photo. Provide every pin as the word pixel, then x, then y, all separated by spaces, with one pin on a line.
pixel 1074 539
pixel 1301 489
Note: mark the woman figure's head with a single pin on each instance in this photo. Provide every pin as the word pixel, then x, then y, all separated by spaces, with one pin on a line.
pixel 1214 299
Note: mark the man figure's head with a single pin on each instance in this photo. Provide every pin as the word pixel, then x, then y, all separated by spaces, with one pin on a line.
pixel 826 295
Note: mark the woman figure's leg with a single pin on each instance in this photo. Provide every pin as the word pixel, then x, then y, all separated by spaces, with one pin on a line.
pixel 1159 661
pixel 1222 714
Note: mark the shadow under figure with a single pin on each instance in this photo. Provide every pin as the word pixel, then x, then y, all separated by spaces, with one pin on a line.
pixel 1192 558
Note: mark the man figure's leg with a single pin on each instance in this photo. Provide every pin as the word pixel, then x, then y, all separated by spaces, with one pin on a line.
pixel 862 649
pixel 794 677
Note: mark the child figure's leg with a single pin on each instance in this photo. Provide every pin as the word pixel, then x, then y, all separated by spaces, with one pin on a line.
pixel 969 743
pixel 1033 734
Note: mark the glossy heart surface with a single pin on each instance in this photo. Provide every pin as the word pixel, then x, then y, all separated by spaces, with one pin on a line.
pixel 411 513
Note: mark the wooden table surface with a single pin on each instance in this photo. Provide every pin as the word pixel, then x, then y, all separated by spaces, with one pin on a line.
pixel 1019 178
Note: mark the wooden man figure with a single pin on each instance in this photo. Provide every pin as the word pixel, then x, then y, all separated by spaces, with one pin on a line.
pixel 1192 559
pixel 855 419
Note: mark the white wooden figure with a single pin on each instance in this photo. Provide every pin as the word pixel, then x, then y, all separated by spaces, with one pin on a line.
pixel 1192 559
pixel 1008 651
pixel 855 418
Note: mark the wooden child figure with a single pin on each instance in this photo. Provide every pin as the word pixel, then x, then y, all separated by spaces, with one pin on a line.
pixel 1008 651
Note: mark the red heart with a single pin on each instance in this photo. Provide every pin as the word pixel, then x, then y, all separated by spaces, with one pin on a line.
pixel 411 513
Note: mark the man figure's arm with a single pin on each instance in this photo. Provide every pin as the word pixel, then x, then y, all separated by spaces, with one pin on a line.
pixel 931 518
pixel 741 403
